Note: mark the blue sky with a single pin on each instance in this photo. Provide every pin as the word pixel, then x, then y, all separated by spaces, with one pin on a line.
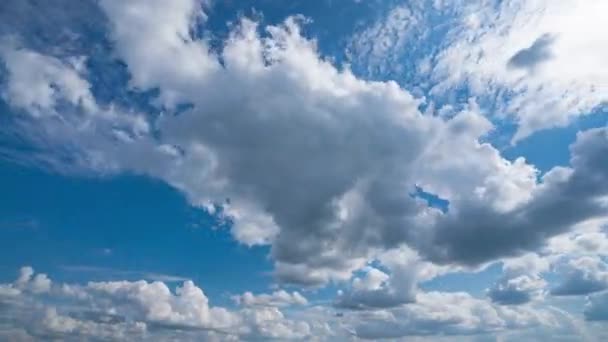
pixel 333 170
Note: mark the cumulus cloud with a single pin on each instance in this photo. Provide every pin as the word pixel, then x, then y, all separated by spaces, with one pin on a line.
pixel 38 82
pixel 377 290
pixel 125 310
pixel 314 161
pixel 518 290
pixel 582 276
pixel 397 285
pixel 278 298
pixel 521 281
pixel 141 310
pixel 450 314
pixel 325 167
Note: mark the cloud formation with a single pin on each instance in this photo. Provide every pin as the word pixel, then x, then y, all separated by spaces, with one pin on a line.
pixel 325 167
pixel 347 152
pixel 141 310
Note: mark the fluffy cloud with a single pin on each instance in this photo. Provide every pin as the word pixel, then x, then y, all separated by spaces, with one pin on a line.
pixel 521 281
pixel 124 310
pixel 140 310
pixel 565 197
pixel 326 168
pixel 582 276
pixel 278 298
pixel 377 289
pixel 155 301
pixel 518 290
pixel 38 82
pixel 317 163
pixel 450 314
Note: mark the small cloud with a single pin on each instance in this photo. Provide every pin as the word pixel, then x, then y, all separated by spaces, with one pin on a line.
pixel 110 273
pixel 531 57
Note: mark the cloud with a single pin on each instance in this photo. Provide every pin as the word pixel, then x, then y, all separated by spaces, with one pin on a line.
pixel 141 310
pixel 539 52
pixel 523 34
pixel 302 155
pixel 397 285
pixel 521 281
pixel 133 310
pixel 450 314
pixel 444 49
pixel 518 290
pixel 582 276
pixel 38 82
pixel 278 298
pixel 314 161
pixel 377 290
pixel 596 308
pixel 565 197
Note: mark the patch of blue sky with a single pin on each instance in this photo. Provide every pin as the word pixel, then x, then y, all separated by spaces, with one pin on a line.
pixel 331 23
pixel 474 283
pixel 129 223
pixel 431 199
pixel 548 148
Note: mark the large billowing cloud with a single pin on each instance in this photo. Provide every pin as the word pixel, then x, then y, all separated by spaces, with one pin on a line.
pixel 302 155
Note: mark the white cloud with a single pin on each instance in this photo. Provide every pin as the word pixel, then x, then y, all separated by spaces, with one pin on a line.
pixel 521 281
pixel 540 62
pixel 136 310
pixel 187 307
pixel 443 314
pixel 140 310
pixel 545 56
pixel 278 298
pixel 37 82
pixel 376 289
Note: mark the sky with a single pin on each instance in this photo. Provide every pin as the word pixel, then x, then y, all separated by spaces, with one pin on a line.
pixel 331 170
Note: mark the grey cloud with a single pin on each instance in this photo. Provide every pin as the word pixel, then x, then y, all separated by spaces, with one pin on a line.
pixel 596 308
pixel 531 57
pixel 379 290
pixel 373 299
pixel 448 314
pixel 521 281
pixel 582 276
pixel 476 234
pixel 509 296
